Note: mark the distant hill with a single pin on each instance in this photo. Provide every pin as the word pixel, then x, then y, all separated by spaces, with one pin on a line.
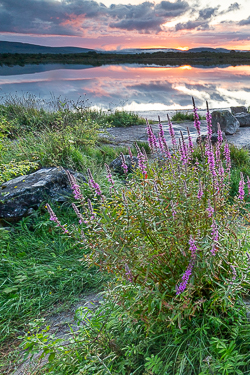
pixel 207 49
pixel 16 47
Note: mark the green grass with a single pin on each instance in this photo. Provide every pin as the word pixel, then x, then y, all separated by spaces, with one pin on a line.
pixel 39 267
pixel 180 116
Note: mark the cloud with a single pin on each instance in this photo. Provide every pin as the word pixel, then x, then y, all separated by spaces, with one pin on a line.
pixel 245 22
pixel 73 17
pixel 204 17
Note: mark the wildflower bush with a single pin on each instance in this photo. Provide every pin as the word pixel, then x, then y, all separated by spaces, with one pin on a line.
pixel 176 245
pixel 171 235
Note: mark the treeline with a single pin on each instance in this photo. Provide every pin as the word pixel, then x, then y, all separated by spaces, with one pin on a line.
pixel 159 58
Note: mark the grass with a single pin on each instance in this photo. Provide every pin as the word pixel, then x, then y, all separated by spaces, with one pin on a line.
pixel 180 116
pixel 39 268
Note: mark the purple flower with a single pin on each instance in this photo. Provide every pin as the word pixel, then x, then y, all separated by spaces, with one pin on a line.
pixel 210 209
pixel 220 136
pixel 197 123
pixel 75 187
pixel 151 138
pixel 130 153
pixel 124 165
pixel 209 122
pixel 141 160
pixel 190 143
pixel 94 185
pixel 54 218
pixel 211 162
pixel 241 187
pixel 78 214
pixel 109 176
pixel 188 272
pixel 217 153
pixel 171 131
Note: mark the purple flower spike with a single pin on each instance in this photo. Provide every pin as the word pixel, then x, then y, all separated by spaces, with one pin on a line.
pixel 75 187
pixel 94 185
pixel 151 138
pixel 130 153
pixel 241 187
pixel 209 122
pixel 211 161
pixel 141 160
pixel 124 165
pixel 188 272
pixel 197 123
pixel 219 132
pixel 78 214
pixel 210 209
pixel 109 176
pixel 171 131
pixel 54 218
pixel 190 143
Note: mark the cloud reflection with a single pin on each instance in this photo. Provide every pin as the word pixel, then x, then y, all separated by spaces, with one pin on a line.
pixel 133 87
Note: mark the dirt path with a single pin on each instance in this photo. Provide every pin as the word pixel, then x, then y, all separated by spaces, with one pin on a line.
pixel 61 325
pixel 127 136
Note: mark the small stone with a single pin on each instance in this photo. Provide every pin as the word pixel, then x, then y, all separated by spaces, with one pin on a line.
pixel 116 165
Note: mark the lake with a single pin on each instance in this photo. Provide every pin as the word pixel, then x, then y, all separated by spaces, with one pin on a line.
pixel 131 87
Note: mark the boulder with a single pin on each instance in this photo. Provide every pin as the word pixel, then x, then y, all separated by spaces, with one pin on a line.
pixel 240 109
pixel 243 118
pixel 116 165
pixel 21 195
pixel 229 124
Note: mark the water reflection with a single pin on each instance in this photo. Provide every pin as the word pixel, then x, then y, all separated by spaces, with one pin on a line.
pixel 132 87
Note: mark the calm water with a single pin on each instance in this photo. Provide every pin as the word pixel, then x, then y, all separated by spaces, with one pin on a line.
pixel 132 87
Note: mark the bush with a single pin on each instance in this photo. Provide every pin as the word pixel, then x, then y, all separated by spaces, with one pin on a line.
pixel 175 243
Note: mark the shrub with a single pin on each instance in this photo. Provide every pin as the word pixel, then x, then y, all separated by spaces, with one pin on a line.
pixel 175 244
pixel 172 233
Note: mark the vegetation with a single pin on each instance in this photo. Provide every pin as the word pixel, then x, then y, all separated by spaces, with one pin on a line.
pixel 159 58
pixel 175 242
pixel 171 244
pixel 180 116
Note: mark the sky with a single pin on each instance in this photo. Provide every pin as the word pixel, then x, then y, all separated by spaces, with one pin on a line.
pixel 115 25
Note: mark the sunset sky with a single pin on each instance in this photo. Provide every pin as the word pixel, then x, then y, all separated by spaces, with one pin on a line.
pixel 122 24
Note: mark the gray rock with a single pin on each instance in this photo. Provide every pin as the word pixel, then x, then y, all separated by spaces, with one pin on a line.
pixel 229 124
pixel 239 109
pixel 21 195
pixel 243 118
pixel 116 165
